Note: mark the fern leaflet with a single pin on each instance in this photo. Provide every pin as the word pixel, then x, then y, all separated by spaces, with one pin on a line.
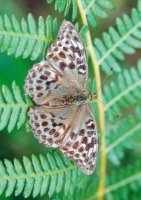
pixel 124 39
pixel 42 174
pixel 25 38
pixel 123 92
pixel 13 108
pixel 121 138
pixel 130 176
pixel 93 9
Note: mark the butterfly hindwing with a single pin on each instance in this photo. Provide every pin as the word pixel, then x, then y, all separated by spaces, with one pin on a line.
pixel 49 125
pixel 81 141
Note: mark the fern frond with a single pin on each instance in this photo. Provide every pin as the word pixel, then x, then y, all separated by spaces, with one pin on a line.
pixel 93 9
pixel 121 182
pixel 127 181
pixel 96 8
pixel 124 39
pixel 13 107
pixel 52 173
pixel 26 38
pixel 123 92
pixel 88 187
pixel 65 7
pixel 122 137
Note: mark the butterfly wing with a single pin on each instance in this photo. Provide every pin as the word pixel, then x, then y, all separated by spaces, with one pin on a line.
pixel 67 55
pixel 49 125
pixel 71 128
pixel 44 83
pixel 65 72
pixel 81 141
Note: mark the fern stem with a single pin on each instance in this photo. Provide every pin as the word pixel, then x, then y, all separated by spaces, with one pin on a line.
pixel 15 105
pixel 118 185
pixel 123 182
pixel 119 42
pixel 130 88
pixel 100 106
pixel 26 35
pixel 42 174
pixel 123 137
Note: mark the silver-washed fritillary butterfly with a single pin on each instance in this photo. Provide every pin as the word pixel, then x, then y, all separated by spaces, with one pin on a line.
pixel 62 117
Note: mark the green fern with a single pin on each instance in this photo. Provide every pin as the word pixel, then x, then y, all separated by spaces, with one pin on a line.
pixel 121 138
pixel 123 39
pixel 65 7
pixel 31 39
pixel 40 175
pixel 54 174
pixel 13 108
pixel 123 92
pixel 93 9
pixel 96 8
pixel 130 176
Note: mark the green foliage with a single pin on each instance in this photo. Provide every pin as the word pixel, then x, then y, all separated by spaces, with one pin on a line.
pixel 13 107
pixel 124 39
pixel 123 92
pixel 93 9
pixel 31 38
pixel 53 174
pixel 26 38
pixel 117 183
pixel 38 175
pixel 65 7
pixel 120 139
pixel 96 8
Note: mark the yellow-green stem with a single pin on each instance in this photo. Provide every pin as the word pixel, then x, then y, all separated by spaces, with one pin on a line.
pixel 100 106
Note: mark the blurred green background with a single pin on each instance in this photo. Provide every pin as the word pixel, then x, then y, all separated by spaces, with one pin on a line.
pixel 21 142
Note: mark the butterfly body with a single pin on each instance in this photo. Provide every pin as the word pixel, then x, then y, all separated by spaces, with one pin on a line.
pixel 62 117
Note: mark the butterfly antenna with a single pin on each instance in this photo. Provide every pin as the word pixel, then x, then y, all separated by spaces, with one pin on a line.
pixel 117 116
pixel 105 79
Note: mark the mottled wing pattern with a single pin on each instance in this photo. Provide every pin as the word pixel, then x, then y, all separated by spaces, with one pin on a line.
pixel 49 125
pixel 55 122
pixel 67 55
pixel 81 141
pixel 44 83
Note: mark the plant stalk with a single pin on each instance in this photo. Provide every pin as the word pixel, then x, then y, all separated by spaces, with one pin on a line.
pixel 100 106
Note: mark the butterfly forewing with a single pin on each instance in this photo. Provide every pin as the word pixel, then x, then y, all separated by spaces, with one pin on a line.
pixel 59 119
pixel 67 55
pixel 44 83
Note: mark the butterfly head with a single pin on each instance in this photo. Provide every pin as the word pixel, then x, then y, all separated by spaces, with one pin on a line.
pixel 91 96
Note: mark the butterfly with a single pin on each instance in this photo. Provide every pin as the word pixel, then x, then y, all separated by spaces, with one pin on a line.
pixel 62 117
